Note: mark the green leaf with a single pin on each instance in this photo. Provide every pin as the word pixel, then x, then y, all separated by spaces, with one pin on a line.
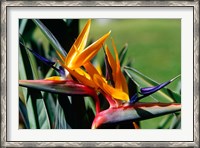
pixel 164 122
pixel 60 121
pixel 178 87
pixel 135 112
pixel 39 107
pixel 122 54
pixel 23 92
pixel 163 95
pixel 22 75
pixel 64 87
pixel 24 97
pixel 23 112
pixel 22 25
pixel 89 104
pixel 53 41
pixel 176 122
pixel 68 87
pixel 50 107
pixel 31 113
pixel 42 114
pixel 33 65
pixel 26 67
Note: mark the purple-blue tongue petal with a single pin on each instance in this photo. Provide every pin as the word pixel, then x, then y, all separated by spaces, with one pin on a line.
pixel 62 71
pixel 146 91
pixel 150 90
pixel 134 98
pixel 46 61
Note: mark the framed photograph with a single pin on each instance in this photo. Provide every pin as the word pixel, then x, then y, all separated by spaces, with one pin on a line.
pixel 99 73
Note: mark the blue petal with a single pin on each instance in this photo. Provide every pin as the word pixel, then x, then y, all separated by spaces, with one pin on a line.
pixel 150 90
pixel 46 61
pixel 61 71
pixel 134 98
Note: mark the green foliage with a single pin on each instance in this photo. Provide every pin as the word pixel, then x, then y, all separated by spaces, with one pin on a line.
pixel 39 107
pixel 60 122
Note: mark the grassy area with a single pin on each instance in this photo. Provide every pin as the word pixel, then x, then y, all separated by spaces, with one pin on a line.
pixel 154 47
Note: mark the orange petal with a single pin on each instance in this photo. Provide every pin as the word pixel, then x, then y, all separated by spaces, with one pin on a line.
pixel 98 80
pixel 55 78
pixel 89 52
pixel 80 42
pixel 115 93
pixel 124 83
pixel 74 57
pixel 118 69
pixel 81 76
pixel 98 68
pixel 115 50
pixel 83 73
pixel 90 69
pixel 120 81
pixel 84 79
pixel 82 38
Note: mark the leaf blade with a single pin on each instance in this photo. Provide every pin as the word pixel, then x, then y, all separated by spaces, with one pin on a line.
pixel 136 112
pixel 63 87
pixel 23 112
pixel 123 53
pixel 43 118
pixel 60 121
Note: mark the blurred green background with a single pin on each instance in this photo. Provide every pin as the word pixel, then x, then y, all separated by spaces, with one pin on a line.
pixel 154 48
